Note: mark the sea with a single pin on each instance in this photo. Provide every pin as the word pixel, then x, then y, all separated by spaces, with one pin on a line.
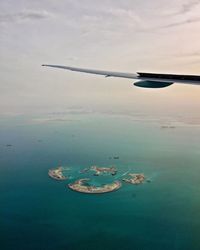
pixel 37 212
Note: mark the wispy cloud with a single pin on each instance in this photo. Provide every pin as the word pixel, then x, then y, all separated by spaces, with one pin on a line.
pixel 181 23
pixel 24 15
pixel 183 8
pixel 115 16
pixel 189 6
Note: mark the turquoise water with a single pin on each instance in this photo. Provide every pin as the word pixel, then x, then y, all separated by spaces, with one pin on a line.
pixel 37 212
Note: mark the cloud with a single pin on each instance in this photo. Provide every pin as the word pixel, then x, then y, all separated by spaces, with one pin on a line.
pixel 180 23
pixel 24 15
pixel 111 22
pixel 187 7
pixel 124 13
pixel 182 9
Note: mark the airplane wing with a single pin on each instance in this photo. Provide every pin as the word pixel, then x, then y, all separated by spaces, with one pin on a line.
pixel 97 72
pixel 145 80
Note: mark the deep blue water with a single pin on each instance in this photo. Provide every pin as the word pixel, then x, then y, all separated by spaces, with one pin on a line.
pixel 37 212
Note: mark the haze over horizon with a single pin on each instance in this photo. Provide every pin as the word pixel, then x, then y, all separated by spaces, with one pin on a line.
pixel 113 35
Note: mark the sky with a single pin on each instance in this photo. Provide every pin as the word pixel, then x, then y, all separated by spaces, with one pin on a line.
pixel 126 36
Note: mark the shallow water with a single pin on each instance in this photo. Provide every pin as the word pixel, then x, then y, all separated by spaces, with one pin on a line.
pixel 37 212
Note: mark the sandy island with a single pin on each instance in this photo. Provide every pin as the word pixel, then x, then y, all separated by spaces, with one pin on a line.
pixel 82 186
pixel 99 171
pixel 135 179
pixel 57 174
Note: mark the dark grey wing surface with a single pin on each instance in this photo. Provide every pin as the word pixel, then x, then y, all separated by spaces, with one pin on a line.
pixel 145 80
pixel 187 79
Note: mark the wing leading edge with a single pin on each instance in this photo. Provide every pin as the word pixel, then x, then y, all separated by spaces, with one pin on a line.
pixel 146 80
pixel 97 72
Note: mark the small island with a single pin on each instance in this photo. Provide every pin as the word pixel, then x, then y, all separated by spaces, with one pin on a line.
pixel 57 174
pixel 167 127
pixel 83 186
pixel 135 179
pixel 99 171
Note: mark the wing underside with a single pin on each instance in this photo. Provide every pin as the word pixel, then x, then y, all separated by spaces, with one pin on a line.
pixel 145 80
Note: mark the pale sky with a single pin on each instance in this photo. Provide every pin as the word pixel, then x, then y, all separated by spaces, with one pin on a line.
pixel 118 35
